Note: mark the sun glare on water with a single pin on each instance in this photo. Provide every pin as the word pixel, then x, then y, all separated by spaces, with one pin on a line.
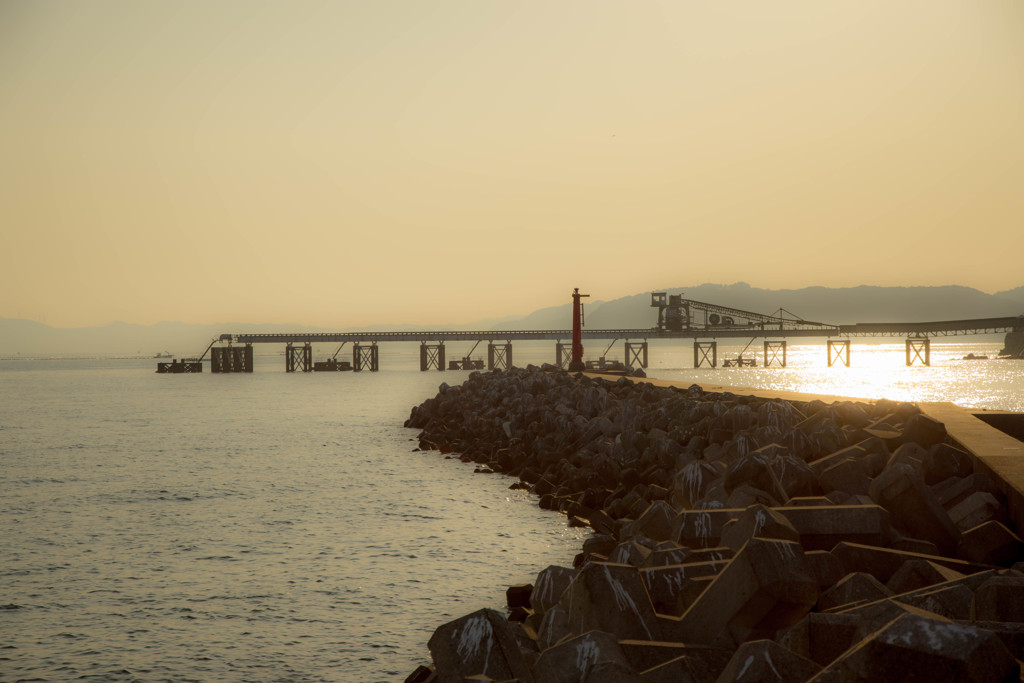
pixel 876 370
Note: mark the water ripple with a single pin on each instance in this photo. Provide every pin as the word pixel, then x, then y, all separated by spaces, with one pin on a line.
pixel 234 530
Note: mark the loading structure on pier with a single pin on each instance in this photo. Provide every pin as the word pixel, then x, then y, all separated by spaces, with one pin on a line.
pixel 676 314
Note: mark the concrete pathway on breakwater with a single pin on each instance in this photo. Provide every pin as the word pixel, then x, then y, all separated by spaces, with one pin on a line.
pixel 1000 455
pixel 739 391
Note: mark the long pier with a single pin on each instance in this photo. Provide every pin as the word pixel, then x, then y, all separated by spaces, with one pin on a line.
pixel 678 318
pixel 934 329
pixel 499 343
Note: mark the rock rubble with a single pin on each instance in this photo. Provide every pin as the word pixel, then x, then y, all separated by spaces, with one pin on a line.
pixel 734 538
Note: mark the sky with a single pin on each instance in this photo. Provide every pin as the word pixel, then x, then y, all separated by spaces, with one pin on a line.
pixel 378 162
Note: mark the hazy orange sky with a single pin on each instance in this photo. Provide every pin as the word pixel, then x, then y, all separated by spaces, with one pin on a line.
pixel 353 163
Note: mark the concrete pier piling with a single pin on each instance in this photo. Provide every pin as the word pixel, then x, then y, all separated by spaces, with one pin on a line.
pixel 919 351
pixel 432 356
pixel 636 354
pixel 705 353
pixel 774 353
pixel 839 352
pixel 298 358
pixel 365 357
pixel 231 358
pixel 499 356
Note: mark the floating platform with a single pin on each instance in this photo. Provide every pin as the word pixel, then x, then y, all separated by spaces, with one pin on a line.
pixel 466 364
pixel 180 366
pixel 603 364
pixel 332 365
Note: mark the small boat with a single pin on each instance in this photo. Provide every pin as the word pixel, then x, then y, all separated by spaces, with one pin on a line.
pixel 971 356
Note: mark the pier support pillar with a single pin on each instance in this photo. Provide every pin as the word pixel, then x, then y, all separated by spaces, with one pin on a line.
pixel 636 354
pixel 839 350
pixel 774 353
pixel 562 356
pixel 365 357
pixel 705 352
pixel 499 356
pixel 231 359
pixel 918 349
pixel 298 358
pixel 431 356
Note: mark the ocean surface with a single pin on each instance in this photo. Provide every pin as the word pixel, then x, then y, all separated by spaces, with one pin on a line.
pixel 279 527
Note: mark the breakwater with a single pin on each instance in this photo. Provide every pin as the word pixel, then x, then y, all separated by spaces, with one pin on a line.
pixel 735 537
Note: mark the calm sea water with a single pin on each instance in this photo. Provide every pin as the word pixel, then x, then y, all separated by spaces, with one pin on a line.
pixel 277 527
pixel 263 527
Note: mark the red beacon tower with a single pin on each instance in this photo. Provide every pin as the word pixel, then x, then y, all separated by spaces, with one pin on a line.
pixel 576 364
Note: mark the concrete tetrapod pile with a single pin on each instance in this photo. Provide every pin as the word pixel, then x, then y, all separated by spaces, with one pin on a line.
pixel 734 538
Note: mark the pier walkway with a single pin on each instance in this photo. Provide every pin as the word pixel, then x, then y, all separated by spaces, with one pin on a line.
pixel 232 352
pixel 678 318
pixel 934 329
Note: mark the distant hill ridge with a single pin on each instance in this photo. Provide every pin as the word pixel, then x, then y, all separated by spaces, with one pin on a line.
pixel 821 304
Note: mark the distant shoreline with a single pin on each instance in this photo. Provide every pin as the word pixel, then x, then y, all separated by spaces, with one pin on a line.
pixel 88 357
